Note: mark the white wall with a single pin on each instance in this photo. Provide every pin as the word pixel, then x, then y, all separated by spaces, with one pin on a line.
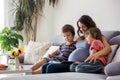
pixel 1 14
pixel 104 12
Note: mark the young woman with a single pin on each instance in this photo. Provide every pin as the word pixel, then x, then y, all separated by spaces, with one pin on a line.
pixel 84 23
pixel 94 38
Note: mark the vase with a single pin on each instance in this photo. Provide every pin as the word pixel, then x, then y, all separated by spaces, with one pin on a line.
pixel 17 63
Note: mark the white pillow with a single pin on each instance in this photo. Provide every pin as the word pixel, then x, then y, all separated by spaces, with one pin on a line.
pixel 117 56
pixel 112 54
pixel 34 51
pixel 50 50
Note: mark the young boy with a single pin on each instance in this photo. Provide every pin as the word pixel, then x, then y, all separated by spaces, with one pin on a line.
pixel 62 53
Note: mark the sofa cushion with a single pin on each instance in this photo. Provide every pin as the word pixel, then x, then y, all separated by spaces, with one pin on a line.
pixel 112 69
pixel 50 50
pixel 60 76
pixel 110 34
pixel 115 40
pixel 113 77
pixel 34 51
pixel 112 53
pixel 117 56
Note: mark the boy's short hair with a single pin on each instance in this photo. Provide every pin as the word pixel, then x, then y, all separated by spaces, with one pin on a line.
pixel 68 28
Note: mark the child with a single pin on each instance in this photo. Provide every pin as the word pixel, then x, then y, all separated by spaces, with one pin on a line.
pixel 62 53
pixel 93 37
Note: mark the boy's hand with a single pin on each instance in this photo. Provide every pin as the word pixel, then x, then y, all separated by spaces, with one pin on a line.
pixel 50 56
pixel 77 62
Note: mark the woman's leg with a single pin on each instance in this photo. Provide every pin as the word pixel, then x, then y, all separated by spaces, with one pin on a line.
pixel 86 67
pixel 58 67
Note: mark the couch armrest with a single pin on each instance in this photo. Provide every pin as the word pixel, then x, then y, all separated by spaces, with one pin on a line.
pixel 117 77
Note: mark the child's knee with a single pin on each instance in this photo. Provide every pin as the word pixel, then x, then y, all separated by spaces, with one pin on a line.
pixel 72 67
pixel 81 69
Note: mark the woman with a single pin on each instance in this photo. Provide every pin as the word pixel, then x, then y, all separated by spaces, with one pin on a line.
pixel 81 53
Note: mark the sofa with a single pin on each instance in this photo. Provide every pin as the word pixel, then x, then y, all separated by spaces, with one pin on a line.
pixel 113 38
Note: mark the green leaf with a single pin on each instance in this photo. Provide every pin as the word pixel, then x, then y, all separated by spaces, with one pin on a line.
pixel 9 38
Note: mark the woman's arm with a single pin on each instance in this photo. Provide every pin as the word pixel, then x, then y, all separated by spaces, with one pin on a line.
pixel 105 51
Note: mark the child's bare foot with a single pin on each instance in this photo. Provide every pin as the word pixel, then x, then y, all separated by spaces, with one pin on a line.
pixel 20 67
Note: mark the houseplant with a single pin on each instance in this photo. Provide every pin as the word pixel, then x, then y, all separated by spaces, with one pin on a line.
pixel 27 13
pixel 9 39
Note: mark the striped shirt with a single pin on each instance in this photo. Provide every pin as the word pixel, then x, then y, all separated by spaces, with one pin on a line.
pixel 64 51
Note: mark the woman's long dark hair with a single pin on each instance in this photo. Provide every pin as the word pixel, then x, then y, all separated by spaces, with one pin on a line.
pixel 87 21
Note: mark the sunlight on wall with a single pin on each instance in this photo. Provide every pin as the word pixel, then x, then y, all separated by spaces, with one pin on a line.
pixel 1 14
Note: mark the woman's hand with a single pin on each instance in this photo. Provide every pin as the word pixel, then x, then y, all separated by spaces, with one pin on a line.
pixel 92 58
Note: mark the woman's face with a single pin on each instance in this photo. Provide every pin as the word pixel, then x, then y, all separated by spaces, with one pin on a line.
pixel 83 28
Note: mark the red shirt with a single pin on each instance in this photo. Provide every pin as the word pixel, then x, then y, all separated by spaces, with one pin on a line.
pixel 98 45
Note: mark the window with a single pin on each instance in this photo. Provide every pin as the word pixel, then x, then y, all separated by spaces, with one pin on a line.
pixel 1 14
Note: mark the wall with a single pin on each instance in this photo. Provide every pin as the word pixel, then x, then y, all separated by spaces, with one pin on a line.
pixel 1 14
pixel 104 12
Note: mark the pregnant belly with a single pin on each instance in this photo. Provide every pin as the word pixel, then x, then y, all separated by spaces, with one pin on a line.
pixel 78 55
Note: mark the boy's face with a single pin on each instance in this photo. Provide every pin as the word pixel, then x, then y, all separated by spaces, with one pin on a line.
pixel 68 37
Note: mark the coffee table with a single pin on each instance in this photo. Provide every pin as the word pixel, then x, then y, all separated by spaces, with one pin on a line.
pixel 15 71
pixel 11 73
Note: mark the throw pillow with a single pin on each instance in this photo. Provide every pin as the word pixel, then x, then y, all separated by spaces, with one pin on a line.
pixel 112 53
pixel 115 40
pixel 112 69
pixel 34 51
pixel 50 50
pixel 117 56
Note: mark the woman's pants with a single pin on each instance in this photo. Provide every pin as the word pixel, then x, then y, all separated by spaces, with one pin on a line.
pixel 55 67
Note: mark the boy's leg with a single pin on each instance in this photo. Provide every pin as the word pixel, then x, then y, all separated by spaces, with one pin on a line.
pixel 58 67
pixel 73 66
pixel 38 71
pixel 43 68
pixel 38 64
pixel 87 67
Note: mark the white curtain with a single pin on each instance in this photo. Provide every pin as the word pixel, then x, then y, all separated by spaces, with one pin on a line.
pixel 1 14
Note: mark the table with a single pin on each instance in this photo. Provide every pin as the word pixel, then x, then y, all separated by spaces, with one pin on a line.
pixel 15 71
pixel 11 73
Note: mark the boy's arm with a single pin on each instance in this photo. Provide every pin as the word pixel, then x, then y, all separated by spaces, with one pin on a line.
pixel 53 54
